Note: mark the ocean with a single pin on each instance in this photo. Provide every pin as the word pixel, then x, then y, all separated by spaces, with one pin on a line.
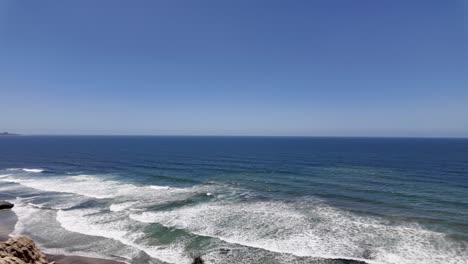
pixel 240 199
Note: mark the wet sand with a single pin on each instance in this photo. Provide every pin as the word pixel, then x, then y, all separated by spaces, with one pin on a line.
pixel 62 259
pixel 7 223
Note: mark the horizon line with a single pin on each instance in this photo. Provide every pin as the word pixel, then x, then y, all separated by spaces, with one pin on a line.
pixel 245 136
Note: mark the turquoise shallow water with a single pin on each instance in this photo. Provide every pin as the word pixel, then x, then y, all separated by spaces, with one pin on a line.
pixel 241 199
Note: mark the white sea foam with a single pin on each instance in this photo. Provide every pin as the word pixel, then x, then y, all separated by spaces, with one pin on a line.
pixel 72 184
pixel 99 187
pixel 41 225
pixel 33 170
pixel 95 223
pixel 307 228
pixel 25 170
pixel 121 206
pixel 155 187
pixel 58 201
pixel 23 212
pixel 316 231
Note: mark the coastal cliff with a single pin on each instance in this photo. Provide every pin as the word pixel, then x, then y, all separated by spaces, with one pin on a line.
pixel 21 250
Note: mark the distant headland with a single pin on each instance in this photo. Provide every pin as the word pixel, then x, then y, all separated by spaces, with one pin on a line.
pixel 8 134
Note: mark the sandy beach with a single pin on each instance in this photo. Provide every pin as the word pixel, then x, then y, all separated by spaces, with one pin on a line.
pixel 62 259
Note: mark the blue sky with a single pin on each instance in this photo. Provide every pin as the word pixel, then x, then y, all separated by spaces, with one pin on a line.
pixel 337 68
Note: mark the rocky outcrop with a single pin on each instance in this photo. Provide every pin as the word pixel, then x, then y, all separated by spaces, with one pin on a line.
pixel 348 261
pixel 198 260
pixel 21 250
pixel 5 205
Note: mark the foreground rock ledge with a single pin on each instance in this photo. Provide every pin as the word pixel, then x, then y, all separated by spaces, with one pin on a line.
pixel 5 205
pixel 21 250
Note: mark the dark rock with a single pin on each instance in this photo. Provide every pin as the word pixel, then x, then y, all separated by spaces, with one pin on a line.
pixel 349 261
pixel 224 250
pixel 198 260
pixel 21 250
pixel 5 205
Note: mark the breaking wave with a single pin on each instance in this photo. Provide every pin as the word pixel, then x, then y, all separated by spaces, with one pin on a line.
pixel 101 206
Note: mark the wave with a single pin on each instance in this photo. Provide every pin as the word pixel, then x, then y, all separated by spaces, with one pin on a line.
pixel 306 228
pixel 67 193
pixel 26 170
pixel 33 170
pixel 93 222
pixel 312 229
pixel 91 186
pixel 42 226
pixel 121 206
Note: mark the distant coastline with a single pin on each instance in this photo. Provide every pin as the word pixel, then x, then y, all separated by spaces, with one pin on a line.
pixel 8 134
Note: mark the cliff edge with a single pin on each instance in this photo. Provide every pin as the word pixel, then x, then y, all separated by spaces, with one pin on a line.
pixel 21 250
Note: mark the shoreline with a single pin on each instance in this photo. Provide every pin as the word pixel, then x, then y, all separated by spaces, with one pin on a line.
pixel 7 224
pixel 66 259
pixel 8 221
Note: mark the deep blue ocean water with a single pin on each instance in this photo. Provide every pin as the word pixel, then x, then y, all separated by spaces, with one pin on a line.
pixel 241 199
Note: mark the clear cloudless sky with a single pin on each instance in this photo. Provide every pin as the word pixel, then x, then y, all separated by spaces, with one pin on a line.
pixel 247 67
